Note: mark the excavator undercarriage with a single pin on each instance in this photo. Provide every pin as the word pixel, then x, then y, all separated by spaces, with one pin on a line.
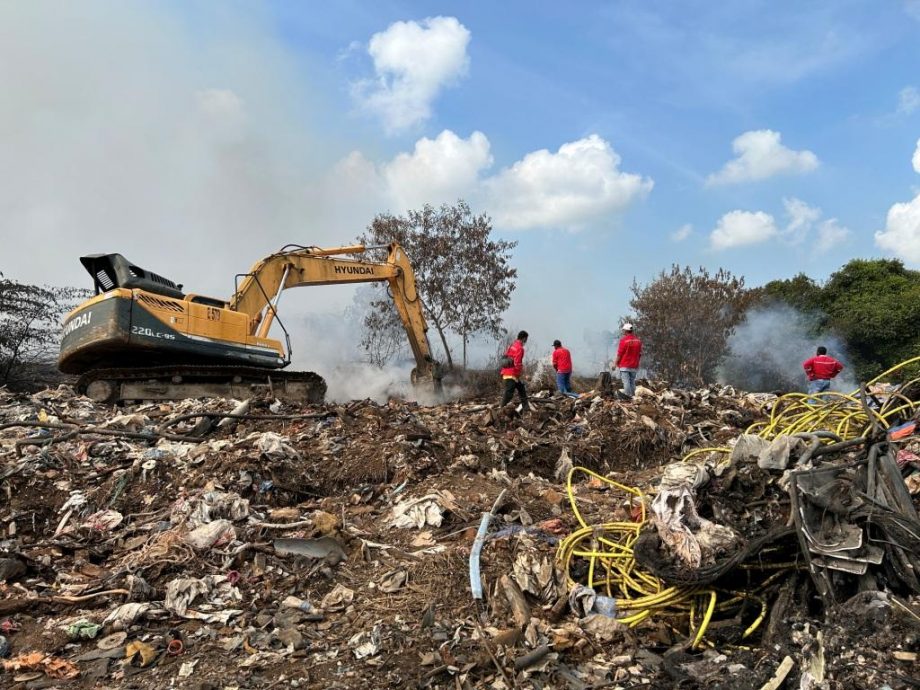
pixel 178 382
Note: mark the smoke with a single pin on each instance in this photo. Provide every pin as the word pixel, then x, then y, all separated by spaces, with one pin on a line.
pixel 126 127
pixel 599 346
pixel 767 349
pixel 358 380
pixel 329 344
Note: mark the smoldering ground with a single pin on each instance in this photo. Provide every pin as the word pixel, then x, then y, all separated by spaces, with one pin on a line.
pixel 766 351
pixel 330 345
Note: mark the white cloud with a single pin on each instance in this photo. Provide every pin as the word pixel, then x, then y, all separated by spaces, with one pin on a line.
pixel 915 161
pixel 908 100
pixel 761 154
pixel 741 228
pixel 901 235
pixel 801 218
pixel 438 170
pixel 413 62
pixel 580 182
pixel 682 233
pixel 831 234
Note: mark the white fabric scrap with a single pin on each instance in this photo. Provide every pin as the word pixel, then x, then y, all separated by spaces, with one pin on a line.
pixel 416 513
pixel 689 537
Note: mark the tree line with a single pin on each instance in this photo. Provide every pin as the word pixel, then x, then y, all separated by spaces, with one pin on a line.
pixel 687 319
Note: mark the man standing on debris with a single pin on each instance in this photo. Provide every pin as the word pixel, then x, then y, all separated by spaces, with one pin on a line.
pixel 629 352
pixel 562 363
pixel 513 372
pixel 820 369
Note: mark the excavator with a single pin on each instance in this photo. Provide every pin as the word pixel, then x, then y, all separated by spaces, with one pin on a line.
pixel 141 338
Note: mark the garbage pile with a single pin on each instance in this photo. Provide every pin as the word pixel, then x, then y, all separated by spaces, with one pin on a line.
pixel 700 538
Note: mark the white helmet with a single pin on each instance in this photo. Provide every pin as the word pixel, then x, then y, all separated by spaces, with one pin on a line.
pixel 627 326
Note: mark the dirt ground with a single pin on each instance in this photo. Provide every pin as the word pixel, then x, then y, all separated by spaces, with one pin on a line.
pixel 329 547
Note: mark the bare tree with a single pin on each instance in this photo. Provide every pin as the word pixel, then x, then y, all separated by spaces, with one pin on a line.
pixel 464 277
pixel 30 327
pixel 685 319
pixel 382 333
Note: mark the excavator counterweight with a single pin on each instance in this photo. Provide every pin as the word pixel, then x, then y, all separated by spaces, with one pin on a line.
pixel 141 338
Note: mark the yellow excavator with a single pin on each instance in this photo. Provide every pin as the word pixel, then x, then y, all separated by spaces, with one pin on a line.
pixel 141 338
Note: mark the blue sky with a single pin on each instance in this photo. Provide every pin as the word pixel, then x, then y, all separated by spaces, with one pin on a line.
pixel 598 135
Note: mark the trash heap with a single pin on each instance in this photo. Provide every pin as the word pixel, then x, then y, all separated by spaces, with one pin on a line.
pixel 702 538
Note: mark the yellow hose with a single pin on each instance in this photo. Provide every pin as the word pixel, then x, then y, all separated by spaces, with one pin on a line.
pixel 707 617
pixel 612 567
pixel 608 547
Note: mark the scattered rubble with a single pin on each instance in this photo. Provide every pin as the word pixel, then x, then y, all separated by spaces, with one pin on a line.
pixel 688 538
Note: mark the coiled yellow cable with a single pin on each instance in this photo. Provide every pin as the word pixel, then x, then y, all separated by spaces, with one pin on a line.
pixel 612 567
pixel 608 547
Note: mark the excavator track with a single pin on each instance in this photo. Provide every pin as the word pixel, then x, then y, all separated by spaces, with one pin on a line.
pixel 179 382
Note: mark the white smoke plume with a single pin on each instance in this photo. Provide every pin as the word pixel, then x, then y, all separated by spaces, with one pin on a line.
pixel 329 344
pixel 132 130
pixel 600 348
pixel 766 351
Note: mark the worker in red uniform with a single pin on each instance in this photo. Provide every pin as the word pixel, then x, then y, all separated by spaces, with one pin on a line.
pixel 629 352
pixel 513 372
pixel 562 363
pixel 820 369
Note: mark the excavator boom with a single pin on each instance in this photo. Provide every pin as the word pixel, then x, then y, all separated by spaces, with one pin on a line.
pixel 260 289
pixel 141 337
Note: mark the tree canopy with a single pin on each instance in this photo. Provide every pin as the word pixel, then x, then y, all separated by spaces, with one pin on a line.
pixel 872 304
pixel 684 319
pixel 800 292
pixel 464 275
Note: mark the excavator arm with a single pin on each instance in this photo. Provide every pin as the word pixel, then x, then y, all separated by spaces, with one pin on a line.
pixel 259 291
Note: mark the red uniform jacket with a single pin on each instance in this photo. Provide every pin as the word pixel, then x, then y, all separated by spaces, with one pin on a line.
pixel 562 360
pixel 821 367
pixel 629 352
pixel 516 353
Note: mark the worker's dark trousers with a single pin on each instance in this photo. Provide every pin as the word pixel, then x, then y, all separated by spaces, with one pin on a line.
pixel 510 386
